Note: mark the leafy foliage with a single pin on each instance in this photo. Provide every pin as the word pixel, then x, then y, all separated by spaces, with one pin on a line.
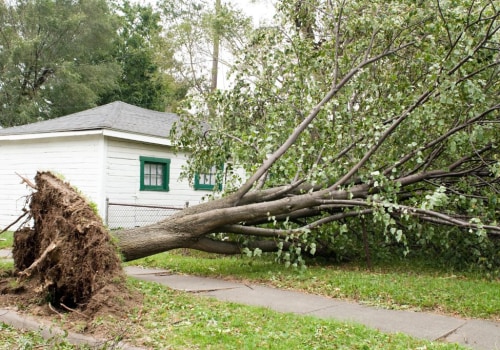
pixel 54 58
pixel 404 143
pixel 146 60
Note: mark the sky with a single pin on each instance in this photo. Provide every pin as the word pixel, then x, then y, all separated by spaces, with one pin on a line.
pixel 260 10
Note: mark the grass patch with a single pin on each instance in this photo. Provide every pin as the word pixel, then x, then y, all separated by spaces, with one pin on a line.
pixel 401 285
pixel 184 321
pixel 6 239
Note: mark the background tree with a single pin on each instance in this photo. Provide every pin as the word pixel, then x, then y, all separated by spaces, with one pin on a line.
pixel 206 35
pixel 146 61
pixel 54 57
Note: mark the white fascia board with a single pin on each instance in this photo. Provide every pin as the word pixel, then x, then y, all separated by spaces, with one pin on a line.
pixel 164 141
pixel 49 135
pixel 110 133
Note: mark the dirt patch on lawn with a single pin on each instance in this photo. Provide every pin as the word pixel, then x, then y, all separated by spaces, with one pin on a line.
pixel 66 262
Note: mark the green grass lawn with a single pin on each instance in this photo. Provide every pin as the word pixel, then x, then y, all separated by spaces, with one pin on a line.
pixel 171 319
pixel 179 320
pixel 6 239
pixel 401 285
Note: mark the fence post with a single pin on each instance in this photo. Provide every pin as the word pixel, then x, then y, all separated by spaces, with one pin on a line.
pixel 106 212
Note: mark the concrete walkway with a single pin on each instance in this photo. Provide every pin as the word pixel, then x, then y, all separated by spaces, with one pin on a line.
pixel 5 254
pixel 477 334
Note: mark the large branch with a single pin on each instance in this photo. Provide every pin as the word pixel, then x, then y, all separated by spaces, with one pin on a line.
pixel 312 115
pixel 444 219
pixel 284 233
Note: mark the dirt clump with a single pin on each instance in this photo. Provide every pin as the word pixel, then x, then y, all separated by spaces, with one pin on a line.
pixel 67 260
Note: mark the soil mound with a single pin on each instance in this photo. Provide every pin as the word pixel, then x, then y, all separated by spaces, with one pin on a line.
pixel 67 259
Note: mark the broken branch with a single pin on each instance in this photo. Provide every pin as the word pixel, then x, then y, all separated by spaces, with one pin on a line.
pixel 27 271
pixel 26 181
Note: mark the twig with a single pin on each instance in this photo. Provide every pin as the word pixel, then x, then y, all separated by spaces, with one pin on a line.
pixel 19 218
pixel 53 309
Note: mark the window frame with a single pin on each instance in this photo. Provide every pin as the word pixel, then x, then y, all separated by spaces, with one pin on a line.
pixel 165 163
pixel 207 187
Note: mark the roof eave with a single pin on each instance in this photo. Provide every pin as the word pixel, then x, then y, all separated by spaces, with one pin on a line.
pixel 105 132
pixel 137 137
pixel 44 135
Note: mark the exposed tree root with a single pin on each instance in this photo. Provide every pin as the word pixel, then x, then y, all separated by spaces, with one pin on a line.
pixel 67 258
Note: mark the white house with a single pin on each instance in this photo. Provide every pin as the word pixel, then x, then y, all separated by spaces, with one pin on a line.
pixel 116 153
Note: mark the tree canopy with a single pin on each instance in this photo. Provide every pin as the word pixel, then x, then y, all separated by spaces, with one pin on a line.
pixel 370 119
pixel 54 57
pixel 58 57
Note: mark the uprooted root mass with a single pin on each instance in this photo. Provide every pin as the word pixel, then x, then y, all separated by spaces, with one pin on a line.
pixel 67 253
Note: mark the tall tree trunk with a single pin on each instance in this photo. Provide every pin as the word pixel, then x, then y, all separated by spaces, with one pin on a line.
pixel 216 46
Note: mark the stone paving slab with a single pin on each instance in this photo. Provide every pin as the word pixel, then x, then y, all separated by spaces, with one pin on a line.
pixel 418 324
pixel 278 300
pixel 180 282
pixel 478 334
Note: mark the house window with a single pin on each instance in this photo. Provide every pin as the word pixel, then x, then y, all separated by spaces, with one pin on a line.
pixel 154 174
pixel 206 181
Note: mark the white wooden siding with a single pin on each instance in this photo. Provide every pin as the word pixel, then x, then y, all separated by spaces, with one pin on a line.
pixel 78 159
pixel 122 182
pixel 123 170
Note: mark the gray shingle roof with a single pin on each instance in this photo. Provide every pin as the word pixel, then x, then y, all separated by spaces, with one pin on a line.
pixel 118 116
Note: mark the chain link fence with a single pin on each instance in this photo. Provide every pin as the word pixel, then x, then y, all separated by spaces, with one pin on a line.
pixel 121 215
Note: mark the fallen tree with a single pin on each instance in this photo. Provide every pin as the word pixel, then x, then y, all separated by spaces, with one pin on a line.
pixel 348 113
pixel 401 140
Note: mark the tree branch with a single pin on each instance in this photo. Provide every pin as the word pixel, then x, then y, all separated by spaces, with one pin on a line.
pixel 312 115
